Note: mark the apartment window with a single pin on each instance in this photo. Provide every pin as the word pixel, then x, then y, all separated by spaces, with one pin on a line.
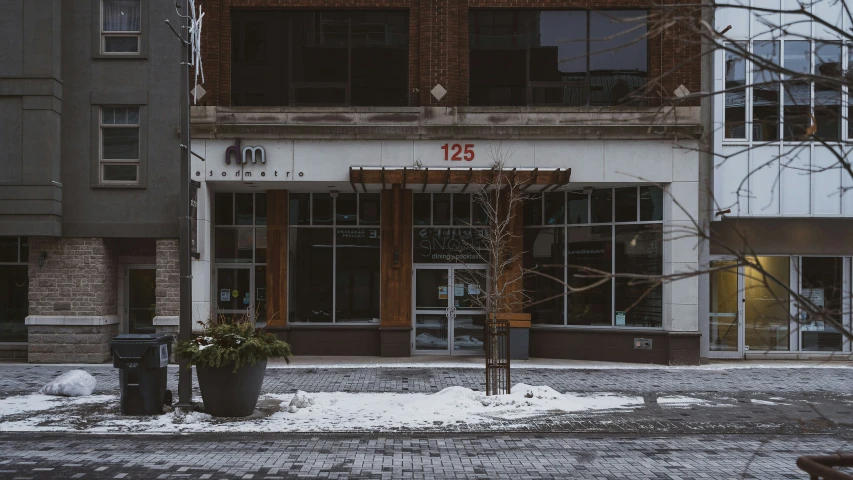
pixel 333 258
pixel 240 255
pixel 615 230
pixel 762 105
pixel 576 58
pixel 119 159
pixel 328 58
pixel 121 26
pixel 14 285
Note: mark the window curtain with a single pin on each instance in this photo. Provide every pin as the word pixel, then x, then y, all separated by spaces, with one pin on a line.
pixel 121 15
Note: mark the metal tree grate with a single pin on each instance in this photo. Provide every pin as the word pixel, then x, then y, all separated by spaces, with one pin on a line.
pixel 497 357
pixel 822 466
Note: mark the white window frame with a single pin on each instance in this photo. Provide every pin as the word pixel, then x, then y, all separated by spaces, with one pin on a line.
pixel 102 162
pixel 119 33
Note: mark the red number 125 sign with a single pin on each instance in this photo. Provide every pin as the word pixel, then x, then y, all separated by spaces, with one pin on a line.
pixel 455 153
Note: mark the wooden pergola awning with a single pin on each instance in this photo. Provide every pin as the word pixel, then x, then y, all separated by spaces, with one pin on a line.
pixel 415 178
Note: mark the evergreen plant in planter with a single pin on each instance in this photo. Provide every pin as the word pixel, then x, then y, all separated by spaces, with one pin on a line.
pixel 230 360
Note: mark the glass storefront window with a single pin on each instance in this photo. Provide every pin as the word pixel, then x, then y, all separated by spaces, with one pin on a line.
pixel 239 255
pixel 14 285
pixel 767 321
pixel 821 283
pixel 333 258
pixel 589 244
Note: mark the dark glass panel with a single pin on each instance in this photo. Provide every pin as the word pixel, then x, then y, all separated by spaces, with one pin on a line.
pixel 321 212
pixel 558 46
pixel 532 210
pixel 626 204
pixel 141 299
pixel 244 206
pixel 233 289
pixel 25 249
pixel 368 206
pixel 447 245
pixel 346 208
pixel 827 101
pixel 310 258
pixel 14 304
pixel 421 207
pixel 380 58
pixel 555 208
pixel 589 252
pixel 478 209
pixel 797 93
pixel 224 206
pixel 260 209
pixel 822 285
pixel 300 209
pixel 259 58
pixel 357 275
pixel 765 92
pixel 120 143
pixel 260 308
pixel 432 288
pixel 461 209
pixel 498 57
pixel 260 245
pixel 9 250
pixel 578 207
pixel 441 209
pixel 651 204
pixel 129 44
pixel 544 251
pixel 602 205
pixel 233 245
pixel 639 250
pixel 120 172
pixel 618 60
pixel 735 96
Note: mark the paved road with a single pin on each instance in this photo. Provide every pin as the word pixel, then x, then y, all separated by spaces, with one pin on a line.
pixel 520 456
pixel 17 378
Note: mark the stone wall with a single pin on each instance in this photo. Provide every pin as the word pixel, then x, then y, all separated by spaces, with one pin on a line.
pixel 168 278
pixel 73 300
pixel 78 278
pixel 70 343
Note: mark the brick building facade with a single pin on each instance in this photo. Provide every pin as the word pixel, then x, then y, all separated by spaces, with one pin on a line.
pixel 338 238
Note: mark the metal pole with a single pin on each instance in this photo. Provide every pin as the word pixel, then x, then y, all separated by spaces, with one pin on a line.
pixel 185 326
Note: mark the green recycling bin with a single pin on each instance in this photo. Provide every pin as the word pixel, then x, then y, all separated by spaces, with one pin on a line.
pixel 142 360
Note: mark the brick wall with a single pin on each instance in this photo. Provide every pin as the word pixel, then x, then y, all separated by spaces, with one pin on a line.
pixel 438 42
pixel 70 344
pixel 79 277
pixel 168 278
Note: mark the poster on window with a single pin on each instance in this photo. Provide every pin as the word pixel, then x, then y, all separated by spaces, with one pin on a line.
pixel 442 292
pixel 224 295
pixel 814 295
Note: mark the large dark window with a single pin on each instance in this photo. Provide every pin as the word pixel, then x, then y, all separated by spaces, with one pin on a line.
pixel 334 257
pixel 14 284
pixel 320 58
pixel 580 237
pixel 571 57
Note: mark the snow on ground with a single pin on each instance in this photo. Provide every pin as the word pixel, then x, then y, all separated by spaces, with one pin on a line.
pixel 329 412
pixel 36 402
pixel 682 401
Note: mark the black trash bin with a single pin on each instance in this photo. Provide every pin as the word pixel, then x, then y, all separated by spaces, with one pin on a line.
pixel 142 360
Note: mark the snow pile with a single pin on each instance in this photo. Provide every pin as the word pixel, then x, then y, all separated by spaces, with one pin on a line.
pixel 454 407
pixel 73 383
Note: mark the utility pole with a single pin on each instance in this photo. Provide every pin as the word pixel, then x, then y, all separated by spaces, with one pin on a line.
pixel 185 247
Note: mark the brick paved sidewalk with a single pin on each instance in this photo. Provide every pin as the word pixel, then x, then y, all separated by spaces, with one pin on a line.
pixel 486 457
pixel 18 378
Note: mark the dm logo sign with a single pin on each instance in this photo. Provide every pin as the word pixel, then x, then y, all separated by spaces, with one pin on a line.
pixel 243 156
